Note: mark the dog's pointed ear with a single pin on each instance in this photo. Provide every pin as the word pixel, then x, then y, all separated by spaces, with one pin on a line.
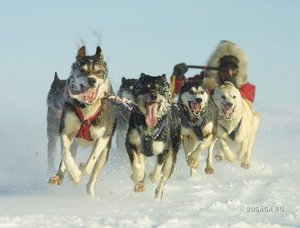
pixel 56 78
pixel 164 76
pixel 80 53
pixel 123 79
pixel 99 52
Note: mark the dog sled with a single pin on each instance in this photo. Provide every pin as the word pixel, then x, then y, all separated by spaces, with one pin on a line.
pixel 178 78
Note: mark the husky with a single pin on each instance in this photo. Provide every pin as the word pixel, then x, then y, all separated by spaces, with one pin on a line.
pixel 55 103
pixel 199 118
pixel 123 114
pixel 87 117
pixel 154 130
pixel 237 122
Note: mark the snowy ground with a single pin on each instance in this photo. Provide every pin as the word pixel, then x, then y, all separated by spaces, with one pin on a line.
pixel 267 195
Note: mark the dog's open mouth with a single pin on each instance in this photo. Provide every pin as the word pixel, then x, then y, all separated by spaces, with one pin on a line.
pixel 195 107
pixel 85 94
pixel 228 110
pixel 151 115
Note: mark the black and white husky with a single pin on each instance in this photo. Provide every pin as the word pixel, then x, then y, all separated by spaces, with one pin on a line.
pixel 123 113
pixel 199 118
pixel 87 117
pixel 154 130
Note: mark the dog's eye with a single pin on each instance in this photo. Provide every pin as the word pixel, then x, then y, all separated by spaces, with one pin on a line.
pixel 202 91
pixel 223 97
pixel 234 97
pixel 191 91
pixel 82 70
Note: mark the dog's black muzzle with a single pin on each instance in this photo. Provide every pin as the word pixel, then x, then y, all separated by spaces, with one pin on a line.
pixel 92 81
pixel 198 100
pixel 153 95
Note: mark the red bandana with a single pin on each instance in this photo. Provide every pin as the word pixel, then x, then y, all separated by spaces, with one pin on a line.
pixel 84 131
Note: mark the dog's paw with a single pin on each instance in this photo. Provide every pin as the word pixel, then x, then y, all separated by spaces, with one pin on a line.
pixel 55 180
pixel 158 194
pixel 193 162
pixel 218 158
pixel 245 165
pixel 209 170
pixel 139 187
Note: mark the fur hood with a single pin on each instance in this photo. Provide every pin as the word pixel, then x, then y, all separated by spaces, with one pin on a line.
pixel 227 48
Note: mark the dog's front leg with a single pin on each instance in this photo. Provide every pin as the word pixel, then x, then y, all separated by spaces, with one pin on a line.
pixel 68 159
pixel 189 145
pixel 102 159
pixel 167 170
pixel 225 150
pixel 138 171
pixel 193 159
pixel 97 150
pixel 209 169
pixel 156 175
pixel 57 179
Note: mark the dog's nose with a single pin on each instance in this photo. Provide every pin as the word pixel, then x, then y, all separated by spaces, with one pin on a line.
pixel 92 81
pixel 229 104
pixel 153 95
pixel 199 100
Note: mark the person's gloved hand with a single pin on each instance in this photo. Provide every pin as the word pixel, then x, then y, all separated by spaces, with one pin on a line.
pixel 180 69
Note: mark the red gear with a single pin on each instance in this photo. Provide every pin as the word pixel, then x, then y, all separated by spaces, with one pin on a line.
pixel 84 131
pixel 178 85
pixel 248 91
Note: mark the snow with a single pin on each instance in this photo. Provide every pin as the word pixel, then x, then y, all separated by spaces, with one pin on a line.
pixel 266 195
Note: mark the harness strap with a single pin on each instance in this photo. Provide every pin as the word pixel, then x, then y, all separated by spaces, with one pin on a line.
pixel 84 131
pixel 197 127
pixel 147 140
pixel 232 134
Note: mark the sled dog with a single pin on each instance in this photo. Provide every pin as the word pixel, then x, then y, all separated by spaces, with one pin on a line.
pixel 154 130
pixel 55 102
pixel 123 113
pixel 199 118
pixel 87 117
pixel 237 123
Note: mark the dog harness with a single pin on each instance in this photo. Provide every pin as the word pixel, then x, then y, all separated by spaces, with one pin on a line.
pixel 197 126
pixel 147 140
pixel 232 134
pixel 84 131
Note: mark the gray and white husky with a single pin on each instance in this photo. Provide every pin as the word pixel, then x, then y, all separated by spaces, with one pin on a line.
pixel 88 117
pixel 199 124
pixel 154 130
pixel 55 103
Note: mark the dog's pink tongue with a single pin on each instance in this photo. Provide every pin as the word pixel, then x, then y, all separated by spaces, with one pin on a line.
pixel 196 107
pixel 228 110
pixel 89 95
pixel 151 116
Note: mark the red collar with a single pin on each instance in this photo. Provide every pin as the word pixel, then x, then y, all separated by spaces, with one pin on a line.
pixel 84 131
